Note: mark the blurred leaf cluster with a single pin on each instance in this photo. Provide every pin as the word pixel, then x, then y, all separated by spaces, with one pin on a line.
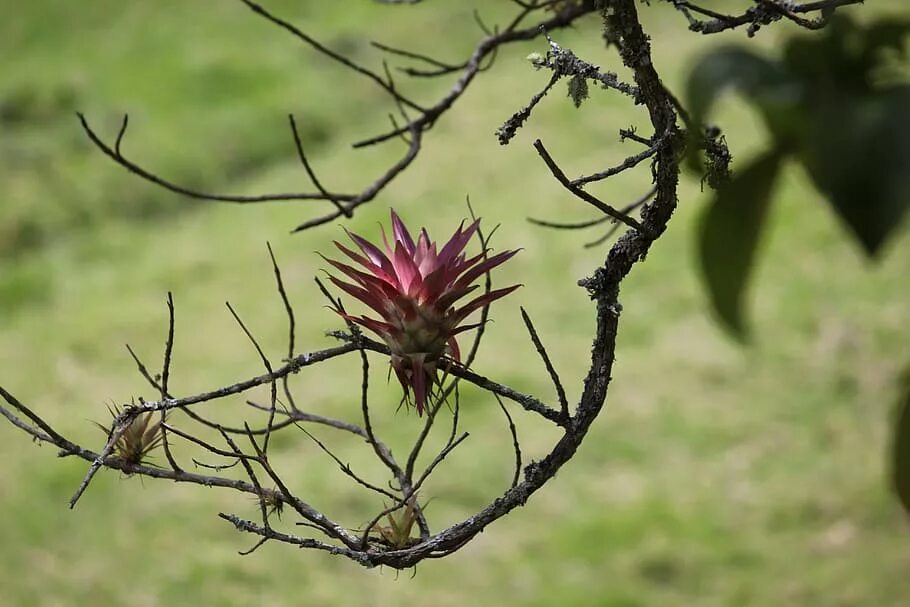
pixel 838 103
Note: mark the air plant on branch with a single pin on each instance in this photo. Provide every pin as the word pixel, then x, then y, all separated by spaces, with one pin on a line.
pixel 272 502
pixel 397 534
pixel 140 437
pixel 414 287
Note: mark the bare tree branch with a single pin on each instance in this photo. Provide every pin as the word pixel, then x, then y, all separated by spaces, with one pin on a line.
pixel 554 376
pixel 165 377
pixel 404 483
pixel 578 192
pixel 762 12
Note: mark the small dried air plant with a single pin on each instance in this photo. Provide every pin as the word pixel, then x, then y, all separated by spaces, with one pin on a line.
pixel 141 436
pixel 397 533
pixel 274 504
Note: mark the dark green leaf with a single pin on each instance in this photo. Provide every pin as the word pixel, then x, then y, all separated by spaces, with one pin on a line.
pixel 901 448
pixel 762 82
pixel 845 57
pixel 857 151
pixel 829 60
pixel 730 68
pixel 729 234
pixel 886 34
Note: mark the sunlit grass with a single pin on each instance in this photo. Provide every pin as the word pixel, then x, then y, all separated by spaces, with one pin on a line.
pixel 717 475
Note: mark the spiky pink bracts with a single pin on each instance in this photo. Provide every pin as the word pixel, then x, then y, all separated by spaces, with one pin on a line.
pixel 414 288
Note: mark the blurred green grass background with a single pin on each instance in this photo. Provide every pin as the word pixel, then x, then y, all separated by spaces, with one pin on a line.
pixel 716 475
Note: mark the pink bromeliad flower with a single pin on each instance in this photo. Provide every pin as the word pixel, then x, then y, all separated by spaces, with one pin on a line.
pixel 414 288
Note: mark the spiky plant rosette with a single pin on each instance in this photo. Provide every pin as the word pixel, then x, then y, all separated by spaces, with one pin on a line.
pixel 139 438
pixel 415 288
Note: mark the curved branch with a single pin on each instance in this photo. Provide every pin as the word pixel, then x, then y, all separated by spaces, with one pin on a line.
pixel 473 66
pixel 345 203
pixel 603 286
pixel 115 154
pixel 763 12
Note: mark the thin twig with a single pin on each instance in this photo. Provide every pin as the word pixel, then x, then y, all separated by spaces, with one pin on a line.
pixel 515 444
pixel 318 46
pixel 364 541
pixel 132 167
pixel 292 323
pixel 487 288
pixel 165 376
pixel 484 48
pixel 118 427
pixel 251 474
pixel 625 165
pixel 268 367
pixel 312 174
pixel 626 209
pixel 206 445
pixel 554 376
pixel 510 127
pixel 346 468
pixel 306 511
pixel 372 190
pixel 578 192
pixel 416 56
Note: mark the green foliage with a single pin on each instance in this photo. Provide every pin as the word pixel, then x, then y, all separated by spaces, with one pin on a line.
pixel 833 103
pixel 729 234
pixel 901 448
pixel 711 463
pixel 857 152
pixel 761 80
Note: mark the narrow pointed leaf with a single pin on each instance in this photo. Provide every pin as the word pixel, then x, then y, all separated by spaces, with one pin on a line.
pixel 371 251
pixel 485 267
pixel 858 154
pixel 482 300
pixel 380 272
pixel 401 233
pixel 458 242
